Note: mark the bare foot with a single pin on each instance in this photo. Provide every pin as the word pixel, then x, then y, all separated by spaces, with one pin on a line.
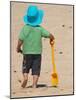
pixel 34 86
pixel 24 84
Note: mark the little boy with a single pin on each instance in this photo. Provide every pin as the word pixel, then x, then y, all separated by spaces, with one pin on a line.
pixel 30 38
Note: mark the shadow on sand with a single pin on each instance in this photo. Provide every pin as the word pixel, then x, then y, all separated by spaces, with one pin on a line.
pixel 42 86
pixel 38 86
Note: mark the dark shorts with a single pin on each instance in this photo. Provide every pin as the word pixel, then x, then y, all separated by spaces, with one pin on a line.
pixel 33 62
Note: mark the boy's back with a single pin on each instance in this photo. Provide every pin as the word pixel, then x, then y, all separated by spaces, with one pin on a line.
pixel 32 39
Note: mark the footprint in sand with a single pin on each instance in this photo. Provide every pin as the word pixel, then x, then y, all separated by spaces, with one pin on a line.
pixel 19 81
pixel 15 71
pixel 60 52
pixel 63 25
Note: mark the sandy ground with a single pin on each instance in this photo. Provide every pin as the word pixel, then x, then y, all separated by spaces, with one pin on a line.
pixel 58 20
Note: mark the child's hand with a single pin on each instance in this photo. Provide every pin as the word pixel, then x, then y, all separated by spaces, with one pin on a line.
pixel 51 39
pixel 52 43
pixel 19 50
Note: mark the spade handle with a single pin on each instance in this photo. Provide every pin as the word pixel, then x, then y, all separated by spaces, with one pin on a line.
pixel 53 59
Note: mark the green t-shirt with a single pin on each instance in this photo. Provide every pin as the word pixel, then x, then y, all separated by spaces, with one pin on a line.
pixel 32 39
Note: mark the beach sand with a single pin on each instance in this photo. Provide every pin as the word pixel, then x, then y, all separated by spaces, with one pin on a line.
pixel 58 20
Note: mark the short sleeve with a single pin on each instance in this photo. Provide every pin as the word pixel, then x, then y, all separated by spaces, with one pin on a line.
pixel 45 33
pixel 21 34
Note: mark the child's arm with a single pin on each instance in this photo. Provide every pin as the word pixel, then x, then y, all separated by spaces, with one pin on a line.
pixel 20 42
pixel 47 34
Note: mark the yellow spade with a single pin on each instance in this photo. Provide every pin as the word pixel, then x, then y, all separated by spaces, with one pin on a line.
pixel 54 76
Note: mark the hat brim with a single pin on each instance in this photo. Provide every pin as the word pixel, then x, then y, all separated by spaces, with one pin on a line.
pixel 37 21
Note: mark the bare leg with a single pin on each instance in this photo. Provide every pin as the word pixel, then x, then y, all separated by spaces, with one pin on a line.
pixel 25 76
pixel 35 80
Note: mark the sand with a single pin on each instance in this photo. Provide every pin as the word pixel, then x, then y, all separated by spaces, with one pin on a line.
pixel 58 20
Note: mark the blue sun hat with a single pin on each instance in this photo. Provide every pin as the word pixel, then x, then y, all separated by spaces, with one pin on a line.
pixel 34 16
